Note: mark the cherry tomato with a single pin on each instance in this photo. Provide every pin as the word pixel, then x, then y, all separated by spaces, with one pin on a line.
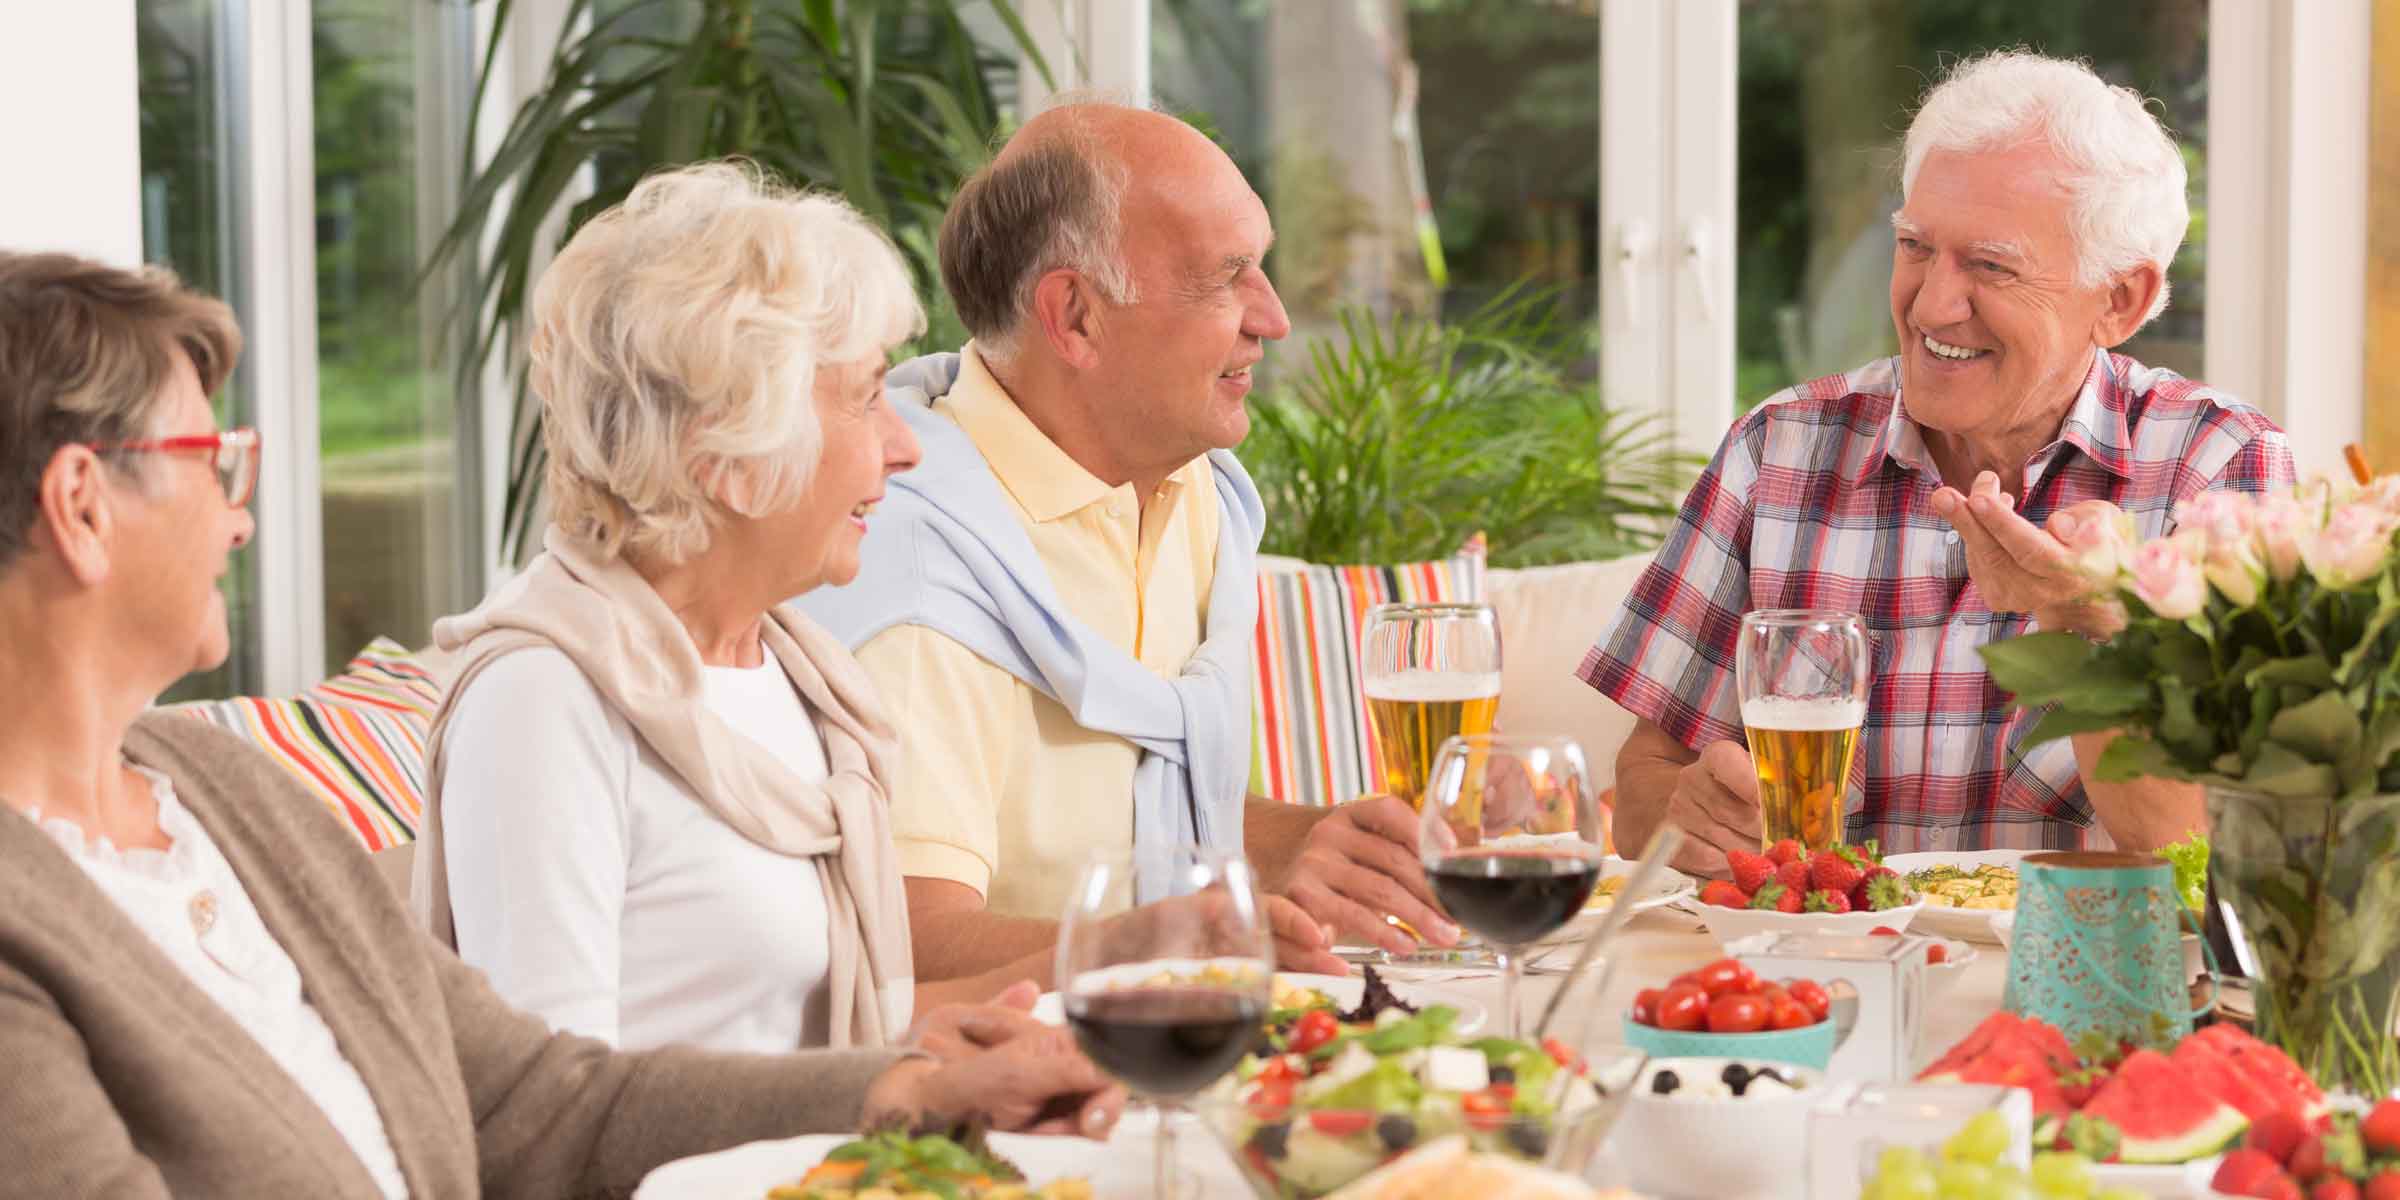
pixel 1787 1013
pixel 1811 996
pixel 1723 978
pixel 1341 1122
pixel 1683 1008
pixel 1272 1098
pixel 1737 1014
pixel 1487 1110
pixel 1645 1005
pixel 1937 954
pixel 1562 1054
pixel 1690 977
pixel 1770 992
pixel 1315 1027
pixel 1278 1067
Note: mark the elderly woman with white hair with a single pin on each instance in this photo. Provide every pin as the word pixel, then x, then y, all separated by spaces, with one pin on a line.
pixel 657 811
pixel 1938 493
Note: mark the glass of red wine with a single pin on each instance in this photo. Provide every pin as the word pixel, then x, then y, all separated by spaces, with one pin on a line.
pixel 1513 842
pixel 1168 996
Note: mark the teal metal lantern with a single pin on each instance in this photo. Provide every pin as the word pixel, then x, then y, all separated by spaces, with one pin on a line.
pixel 2098 947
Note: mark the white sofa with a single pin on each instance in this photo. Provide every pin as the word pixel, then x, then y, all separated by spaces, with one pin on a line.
pixel 1549 617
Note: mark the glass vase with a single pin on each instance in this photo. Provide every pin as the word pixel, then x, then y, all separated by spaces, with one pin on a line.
pixel 2315 884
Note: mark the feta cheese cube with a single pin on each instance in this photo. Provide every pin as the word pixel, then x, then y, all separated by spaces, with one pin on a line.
pixel 1454 1069
pixel 1353 1061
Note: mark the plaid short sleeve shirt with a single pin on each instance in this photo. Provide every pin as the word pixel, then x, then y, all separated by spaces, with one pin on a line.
pixel 1822 498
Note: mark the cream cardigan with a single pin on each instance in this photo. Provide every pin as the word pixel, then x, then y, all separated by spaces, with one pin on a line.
pixel 119 1078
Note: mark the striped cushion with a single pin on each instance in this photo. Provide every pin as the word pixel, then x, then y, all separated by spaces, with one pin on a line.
pixel 357 740
pixel 1309 737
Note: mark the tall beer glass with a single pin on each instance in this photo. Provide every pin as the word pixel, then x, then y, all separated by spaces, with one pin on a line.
pixel 1803 677
pixel 1431 672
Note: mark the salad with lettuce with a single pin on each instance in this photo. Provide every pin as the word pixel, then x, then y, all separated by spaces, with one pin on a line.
pixel 2189 857
pixel 1322 1107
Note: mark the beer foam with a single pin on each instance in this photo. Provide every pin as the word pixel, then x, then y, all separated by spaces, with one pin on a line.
pixel 1797 715
pixel 1422 686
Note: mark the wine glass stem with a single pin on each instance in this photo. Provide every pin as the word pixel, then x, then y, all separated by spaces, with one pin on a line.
pixel 1511 968
pixel 1163 1180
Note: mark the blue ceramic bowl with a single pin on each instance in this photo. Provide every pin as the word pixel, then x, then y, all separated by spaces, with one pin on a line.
pixel 1808 1046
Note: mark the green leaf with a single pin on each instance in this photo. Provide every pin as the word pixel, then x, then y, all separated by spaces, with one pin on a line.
pixel 2056 723
pixel 2279 771
pixel 2307 670
pixel 2324 730
pixel 2133 757
pixel 2061 668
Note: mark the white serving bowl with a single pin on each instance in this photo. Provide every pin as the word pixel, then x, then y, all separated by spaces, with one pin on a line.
pixel 1732 924
pixel 1735 1148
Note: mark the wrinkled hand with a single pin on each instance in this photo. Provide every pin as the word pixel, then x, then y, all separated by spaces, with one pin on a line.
pixel 1360 864
pixel 1032 1084
pixel 2019 566
pixel 956 1031
pixel 1715 803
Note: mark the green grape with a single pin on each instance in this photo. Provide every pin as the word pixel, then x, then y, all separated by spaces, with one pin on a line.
pixel 1962 1181
pixel 2009 1185
pixel 1914 1181
pixel 1983 1139
pixel 1900 1160
pixel 2121 1193
pixel 2062 1175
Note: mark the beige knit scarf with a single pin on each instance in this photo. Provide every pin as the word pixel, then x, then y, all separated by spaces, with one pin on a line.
pixel 605 617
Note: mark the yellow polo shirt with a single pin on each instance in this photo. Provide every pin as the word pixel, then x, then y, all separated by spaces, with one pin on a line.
pixel 997 787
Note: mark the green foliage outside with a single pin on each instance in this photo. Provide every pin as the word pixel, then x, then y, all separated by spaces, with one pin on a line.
pixel 1406 436
pixel 891 103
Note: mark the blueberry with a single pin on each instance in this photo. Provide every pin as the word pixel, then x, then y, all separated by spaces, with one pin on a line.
pixel 1269 1139
pixel 1529 1138
pixel 1664 1083
pixel 1736 1076
pixel 1397 1131
pixel 1502 1073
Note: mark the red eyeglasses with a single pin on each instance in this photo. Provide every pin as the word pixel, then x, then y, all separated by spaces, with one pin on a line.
pixel 234 454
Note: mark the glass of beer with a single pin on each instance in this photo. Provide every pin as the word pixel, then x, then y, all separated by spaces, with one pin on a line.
pixel 1803 675
pixel 1431 672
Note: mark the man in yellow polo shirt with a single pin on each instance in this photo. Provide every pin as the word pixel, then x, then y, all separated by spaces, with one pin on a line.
pixel 1108 266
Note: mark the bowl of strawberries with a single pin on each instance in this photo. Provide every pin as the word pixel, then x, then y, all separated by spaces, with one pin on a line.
pixel 1725 1010
pixel 1788 889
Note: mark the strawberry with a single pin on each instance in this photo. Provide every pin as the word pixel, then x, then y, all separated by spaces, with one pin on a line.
pixel 1793 875
pixel 1786 851
pixel 1724 895
pixel 1750 871
pixel 1858 893
pixel 1937 954
pixel 2380 1130
pixel 2246 1172
pixel 1835 870
pixel 2384 1186
pixel 2276 1135
pixel 2307 1163
pixel 1886 892
pixel 1827 900
pixel 1776 897
pixel 2334 1188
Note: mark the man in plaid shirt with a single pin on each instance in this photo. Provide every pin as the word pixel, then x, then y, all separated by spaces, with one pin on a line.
pixel 1929 492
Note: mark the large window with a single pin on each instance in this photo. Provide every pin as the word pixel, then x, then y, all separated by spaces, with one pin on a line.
pixel 1826 89
pixel 1415 154
pixel 189 223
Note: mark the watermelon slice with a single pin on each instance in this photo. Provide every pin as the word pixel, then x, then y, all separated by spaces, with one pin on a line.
pixel 2267 1067
pixel 2004 1028
pixel 2011 1062
pixel 2166 1115
pixel 2210 1067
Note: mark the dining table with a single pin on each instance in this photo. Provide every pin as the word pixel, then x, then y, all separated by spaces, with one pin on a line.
pixel 1652 948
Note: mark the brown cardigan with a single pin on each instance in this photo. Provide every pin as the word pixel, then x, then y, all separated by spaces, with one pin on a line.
pixel 120 1078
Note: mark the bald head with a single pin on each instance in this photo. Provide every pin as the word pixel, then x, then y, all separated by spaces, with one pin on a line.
pixel 1066 192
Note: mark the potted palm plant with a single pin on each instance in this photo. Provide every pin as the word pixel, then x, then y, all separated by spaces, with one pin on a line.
pixel 889 102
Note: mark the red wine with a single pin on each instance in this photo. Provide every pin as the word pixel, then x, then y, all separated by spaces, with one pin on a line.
pixel 1514 897
pixel 1166 1041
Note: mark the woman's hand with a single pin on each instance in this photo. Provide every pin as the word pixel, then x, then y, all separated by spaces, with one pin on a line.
pixel 1034 1083
pixel 956 1031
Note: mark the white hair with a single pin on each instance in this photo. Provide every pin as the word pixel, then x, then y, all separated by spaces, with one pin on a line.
pixel 675 346
pixel 2124 173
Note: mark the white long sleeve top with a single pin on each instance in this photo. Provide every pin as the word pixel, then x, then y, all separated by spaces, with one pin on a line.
pixel 194 908
pixel 597 892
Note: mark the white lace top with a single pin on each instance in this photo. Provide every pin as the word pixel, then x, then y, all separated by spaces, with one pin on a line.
pixel 188 900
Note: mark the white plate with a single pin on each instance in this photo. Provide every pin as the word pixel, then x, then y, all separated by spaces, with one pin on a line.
pixel 1669 887
pixel 1973 924
pixel 1345 990
pixel 746 1172
pixel 1733 924
pixel 2177 1182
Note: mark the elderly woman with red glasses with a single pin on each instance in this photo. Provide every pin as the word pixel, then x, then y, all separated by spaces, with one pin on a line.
pixel 201 993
